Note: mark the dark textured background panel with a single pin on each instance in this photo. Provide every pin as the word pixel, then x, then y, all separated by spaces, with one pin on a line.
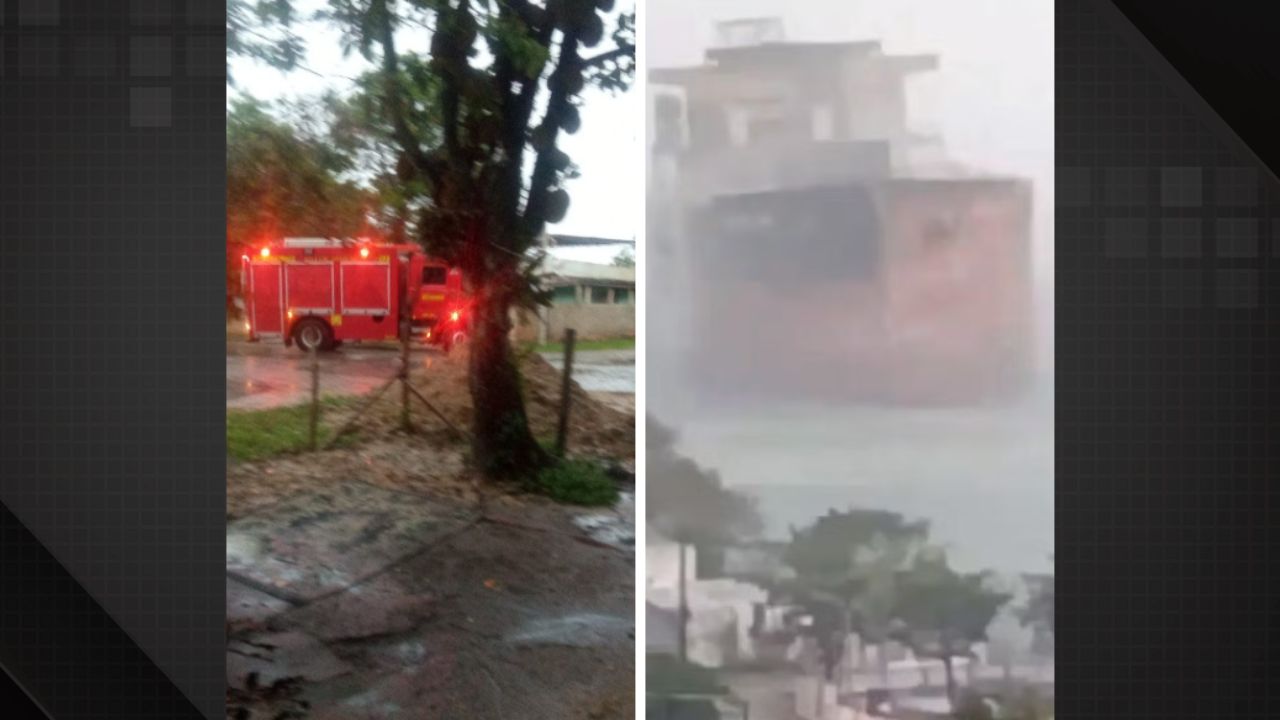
pixel 1167 280
pixel 111 379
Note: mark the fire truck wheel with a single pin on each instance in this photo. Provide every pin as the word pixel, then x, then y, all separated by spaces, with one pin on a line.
pixel 311 333
pixel 453 341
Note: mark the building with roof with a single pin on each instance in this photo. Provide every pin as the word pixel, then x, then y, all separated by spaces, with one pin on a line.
pixel 589 292
pixel 793 205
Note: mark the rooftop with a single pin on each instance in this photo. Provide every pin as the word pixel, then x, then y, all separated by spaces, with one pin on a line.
pixel 578 270
pixel 581 240
pixel 772 53
pixel 773 49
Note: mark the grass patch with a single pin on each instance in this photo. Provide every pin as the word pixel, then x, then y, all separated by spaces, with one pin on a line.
pixel 260 434
pixel 614 344
pixel 577 482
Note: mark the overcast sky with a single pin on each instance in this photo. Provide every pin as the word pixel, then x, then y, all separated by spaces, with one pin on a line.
pixel 605 200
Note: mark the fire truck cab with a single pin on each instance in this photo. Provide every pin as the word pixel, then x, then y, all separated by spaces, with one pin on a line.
pixel 317 293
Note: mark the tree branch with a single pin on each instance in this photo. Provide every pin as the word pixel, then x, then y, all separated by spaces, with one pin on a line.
pixel 451 97
pixel 541 22
pixel 567 63
pixel 534 17
pixel 596 61
pixel 395 99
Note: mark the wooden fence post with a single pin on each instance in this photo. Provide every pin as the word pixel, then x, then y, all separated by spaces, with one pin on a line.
pixel 315 398
pixel 566 399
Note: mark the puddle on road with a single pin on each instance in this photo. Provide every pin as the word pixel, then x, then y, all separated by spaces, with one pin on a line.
pixel 616 527
pixel 601 373
pixel 319 541
pixel 237 391
pixel 243 548
pixel 599 378
pixel 576 630
pixel 602 378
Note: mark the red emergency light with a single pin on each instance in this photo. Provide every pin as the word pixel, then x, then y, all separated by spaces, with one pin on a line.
pixel 266 252
pixel 364 252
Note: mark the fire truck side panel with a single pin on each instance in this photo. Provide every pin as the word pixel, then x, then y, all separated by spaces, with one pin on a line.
pixel 364 327
pixel 357 290
pixel 266 313
pixel 310 287
pixel 366 287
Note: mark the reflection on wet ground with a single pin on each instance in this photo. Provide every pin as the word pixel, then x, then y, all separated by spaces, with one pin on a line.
pixel 278 376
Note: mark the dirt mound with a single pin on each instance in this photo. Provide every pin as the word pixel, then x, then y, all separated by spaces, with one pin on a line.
pixel 595 428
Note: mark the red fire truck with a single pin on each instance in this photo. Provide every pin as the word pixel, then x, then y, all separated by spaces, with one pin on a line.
pixel 317 293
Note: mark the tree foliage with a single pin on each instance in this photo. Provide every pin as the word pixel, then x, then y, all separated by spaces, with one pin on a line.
pixel 689 502
pixel 474 126
pixel 249 23
pixel 626 258
pixel 847 565
pixel 283 180
pixel 835 546
pixel 942 613
pixel 361 129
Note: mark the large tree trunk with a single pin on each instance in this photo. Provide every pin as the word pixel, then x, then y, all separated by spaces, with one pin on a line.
pixel 503 446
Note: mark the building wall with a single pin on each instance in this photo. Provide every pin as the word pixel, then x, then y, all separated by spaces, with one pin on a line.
pixel 592 322
pixel 662 564
pixel 958 287
pixel 939 322
pixel 721 611
pixel 784 303
pixel 596 300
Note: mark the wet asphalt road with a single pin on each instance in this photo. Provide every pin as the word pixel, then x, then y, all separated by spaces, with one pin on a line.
pixel 275 376
pixel 601 371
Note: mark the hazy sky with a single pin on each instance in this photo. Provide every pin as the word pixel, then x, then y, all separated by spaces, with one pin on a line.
pixel 605 200
pixel 992 95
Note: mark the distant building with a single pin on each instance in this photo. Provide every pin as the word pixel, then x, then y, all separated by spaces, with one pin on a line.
pixel 794 208
pixel 593 296
pixel 661 630
pixel 722 611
